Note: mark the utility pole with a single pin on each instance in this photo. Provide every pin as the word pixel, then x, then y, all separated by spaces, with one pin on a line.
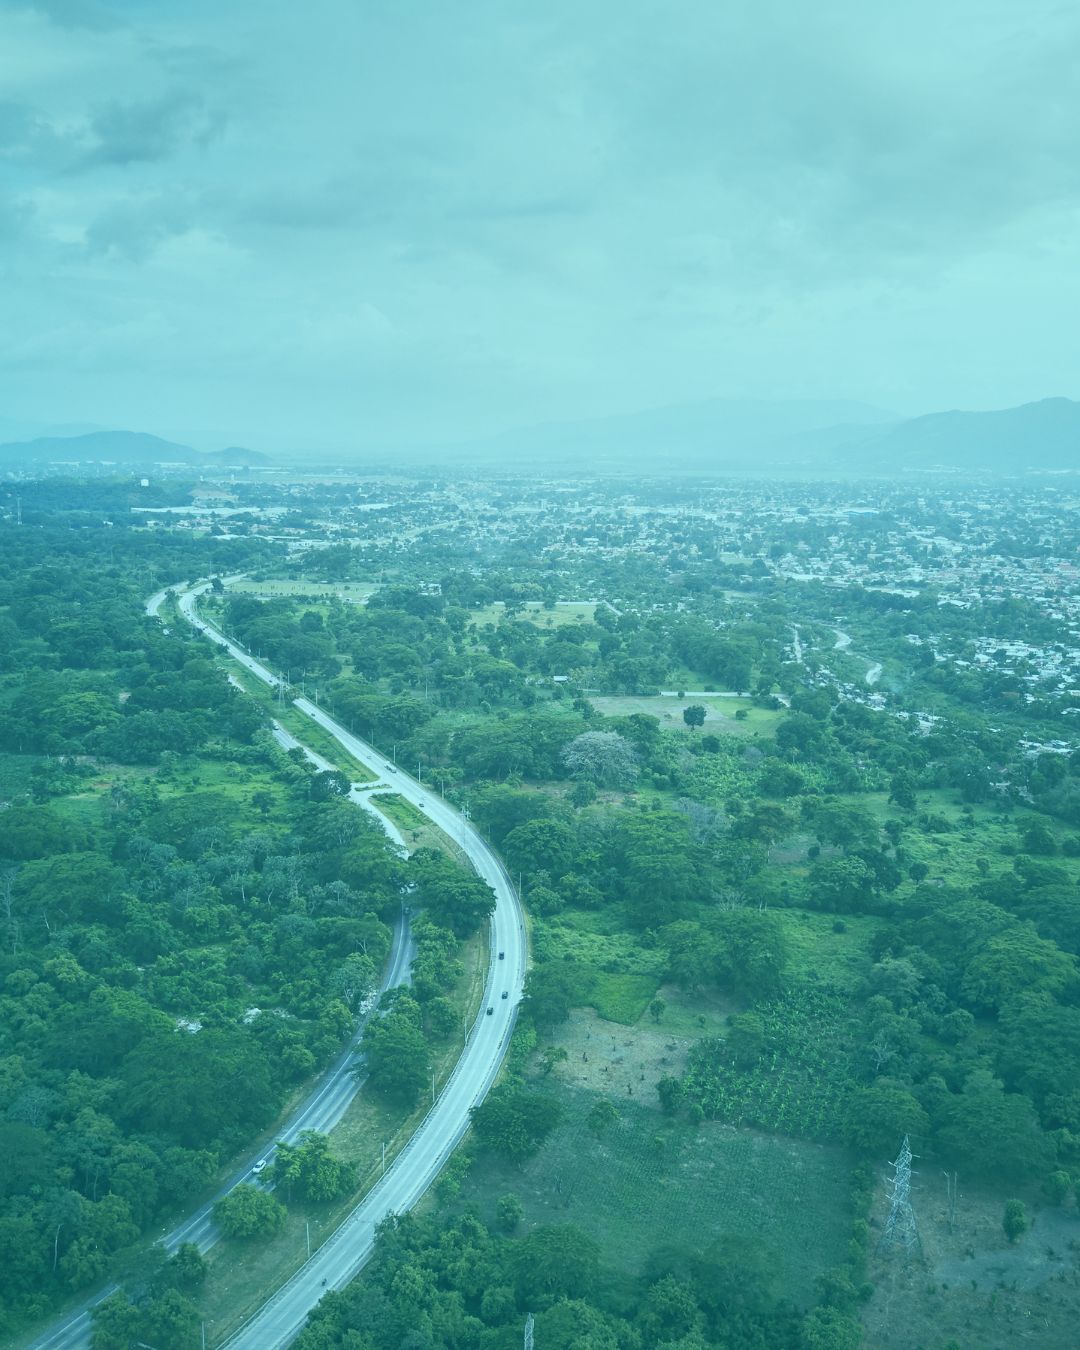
pixel 307 1234
pixel 952 1191
pixel 901 1229
pixel 384 1157
pixel 433 1089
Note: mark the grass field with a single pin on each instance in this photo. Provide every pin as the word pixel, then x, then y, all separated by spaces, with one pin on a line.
pixel 818 951
pixel 719 712
pixel 565 612
pixel 649 1182
pixel 404 815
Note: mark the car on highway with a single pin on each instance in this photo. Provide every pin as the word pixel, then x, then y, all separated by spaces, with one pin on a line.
pixel 502 956
pixel 391 768
pixel 259 1168
pixel 490 1011
pixel 506 993
pixel 419 803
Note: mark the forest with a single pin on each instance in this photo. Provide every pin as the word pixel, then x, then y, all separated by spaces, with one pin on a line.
pixel 840 923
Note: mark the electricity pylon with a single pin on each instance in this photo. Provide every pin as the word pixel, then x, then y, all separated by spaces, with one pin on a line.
pixel 901 1229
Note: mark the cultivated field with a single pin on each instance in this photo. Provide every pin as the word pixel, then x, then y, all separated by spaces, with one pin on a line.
pixel 650 1182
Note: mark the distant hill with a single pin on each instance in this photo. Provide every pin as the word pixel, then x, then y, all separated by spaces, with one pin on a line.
pixel 122 447
pixel 716 434
pixel 802 436
pixel 118 447
pixel 1039 436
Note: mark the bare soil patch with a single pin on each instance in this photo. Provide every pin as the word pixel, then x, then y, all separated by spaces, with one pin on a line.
pixel 970 1287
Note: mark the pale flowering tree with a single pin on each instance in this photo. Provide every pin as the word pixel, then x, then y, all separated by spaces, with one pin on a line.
pixel 602 757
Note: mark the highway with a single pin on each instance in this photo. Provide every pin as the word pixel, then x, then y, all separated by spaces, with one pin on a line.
pixel 347 1250
pixel 321 1110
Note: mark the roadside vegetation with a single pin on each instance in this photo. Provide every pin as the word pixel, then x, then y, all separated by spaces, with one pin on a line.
pixel 771 934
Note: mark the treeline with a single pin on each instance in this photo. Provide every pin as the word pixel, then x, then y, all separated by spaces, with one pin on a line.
pixel 408 640
pixel 442 1281
pixel 181 943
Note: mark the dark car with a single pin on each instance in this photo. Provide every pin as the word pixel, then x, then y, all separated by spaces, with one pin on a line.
pixel 502 955
pixel 506 993
pixel 490 1011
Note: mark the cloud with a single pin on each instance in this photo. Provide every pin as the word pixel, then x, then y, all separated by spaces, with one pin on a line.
pixel 520 212
pixel 134 230
pixel 87 14
pixel 144 132
pixel 15 216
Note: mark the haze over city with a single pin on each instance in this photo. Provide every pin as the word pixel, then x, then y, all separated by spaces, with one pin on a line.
pixel 337 227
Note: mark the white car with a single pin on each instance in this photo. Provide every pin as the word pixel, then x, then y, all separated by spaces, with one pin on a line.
pixel 259 1168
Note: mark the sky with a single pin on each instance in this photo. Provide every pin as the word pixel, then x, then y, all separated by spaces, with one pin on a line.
pixel 376 223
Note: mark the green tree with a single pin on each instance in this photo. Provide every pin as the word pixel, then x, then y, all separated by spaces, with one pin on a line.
pixel 555 1261
pixel 1037 837
pixel 552 1055
pixel 1015 1220
pixel 248 1212
pixel 1015 962
pixel 540 846
pixel 990 1131
pixel 831 1328
pixel 116 1321
pixel 902 791
pixel 449 894
pixel 509 1212
pixel 310 1170
pixel 844 885
pixel 694 715
pixel 751 951
pixel 657 1008
pixel 877 1118
pixel 1057 1187
pixel 602 1114
pixel 551 990
pixel 171 1322
pixel 513 1122
pixel 396 1059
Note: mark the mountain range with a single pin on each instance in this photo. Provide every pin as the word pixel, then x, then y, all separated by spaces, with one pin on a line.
pixel 803 436
pixel 127 448
pixel 719 435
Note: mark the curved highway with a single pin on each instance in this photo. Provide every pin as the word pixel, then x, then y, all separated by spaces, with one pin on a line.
pixel 321 1110
pixel 347 1250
